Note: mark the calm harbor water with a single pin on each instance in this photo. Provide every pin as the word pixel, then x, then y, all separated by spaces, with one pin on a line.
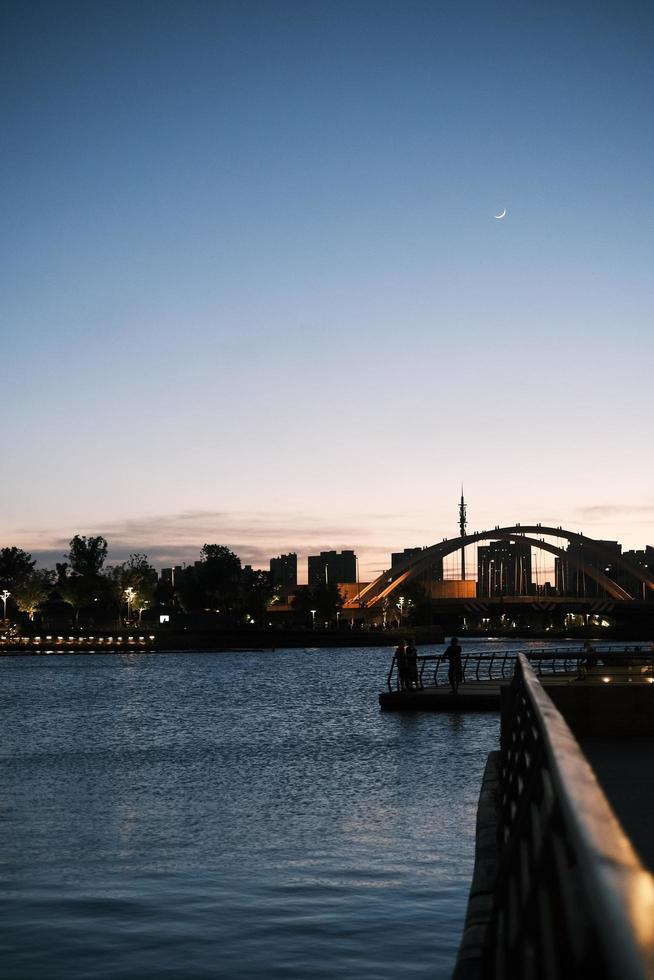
pixel 247 815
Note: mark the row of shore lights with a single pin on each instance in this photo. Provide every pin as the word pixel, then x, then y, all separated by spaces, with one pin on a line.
pixel 93 639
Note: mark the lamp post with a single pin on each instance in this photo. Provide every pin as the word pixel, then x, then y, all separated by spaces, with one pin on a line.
pixel 338 616
pixel 4 596
pixel 129 593
pixel 141 608
pixel 400 606
pixel 313 619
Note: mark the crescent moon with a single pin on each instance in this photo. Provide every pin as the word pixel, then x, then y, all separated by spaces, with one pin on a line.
pixel 498 216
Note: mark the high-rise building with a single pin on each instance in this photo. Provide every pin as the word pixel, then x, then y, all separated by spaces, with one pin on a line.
pixel 283 570
pixel 504 568
pixel 573 581
pixel 171 576
pixel 399 557
pixel 433 574
pixel 332 566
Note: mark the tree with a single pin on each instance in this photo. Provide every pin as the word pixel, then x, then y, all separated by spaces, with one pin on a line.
pixel 324 597
pixel 328 600
pixel 219 577
pixel 87 555
pixel 137 575
pixel 80 581
pixel 34 591
pixel 416 608
pixel 77 592
pixel 16 566
pixel 258 590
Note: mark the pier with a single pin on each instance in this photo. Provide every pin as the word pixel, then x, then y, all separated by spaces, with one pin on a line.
pixel 485 676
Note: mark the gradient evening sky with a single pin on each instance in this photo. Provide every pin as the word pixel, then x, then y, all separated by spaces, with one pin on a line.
pixel 253 292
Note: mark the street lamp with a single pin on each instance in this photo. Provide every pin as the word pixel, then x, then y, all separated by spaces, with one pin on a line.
pixel 141 608
pixel 4 596
pixel 130 593
pixel 338 616
pixel 400 606
pixel 313 619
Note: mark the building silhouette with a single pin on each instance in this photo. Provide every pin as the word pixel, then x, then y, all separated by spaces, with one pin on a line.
pixel 283 571
pixel 573 581
pixel 433 574
pixel 171 576
pixel 399 557
pixel 332 566
pixel 504 568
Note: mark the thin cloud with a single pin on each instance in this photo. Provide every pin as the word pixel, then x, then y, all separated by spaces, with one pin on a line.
pixel 175 539
pixel 599 513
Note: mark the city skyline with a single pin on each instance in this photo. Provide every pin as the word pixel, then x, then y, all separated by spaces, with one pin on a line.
pixel 254 291
pixel 259 555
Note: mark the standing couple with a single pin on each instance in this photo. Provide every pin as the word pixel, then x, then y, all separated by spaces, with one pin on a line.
pixel 406 657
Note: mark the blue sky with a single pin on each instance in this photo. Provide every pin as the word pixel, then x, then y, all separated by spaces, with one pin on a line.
pixel 253 290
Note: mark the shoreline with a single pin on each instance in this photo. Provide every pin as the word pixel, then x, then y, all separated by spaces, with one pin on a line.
pixel 209 642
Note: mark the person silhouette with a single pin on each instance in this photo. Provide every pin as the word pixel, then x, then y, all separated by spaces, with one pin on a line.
pixel 455 669
pixel 411 656
pixel 400 660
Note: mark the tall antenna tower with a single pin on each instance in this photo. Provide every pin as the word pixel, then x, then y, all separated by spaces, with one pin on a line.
pixel 462 528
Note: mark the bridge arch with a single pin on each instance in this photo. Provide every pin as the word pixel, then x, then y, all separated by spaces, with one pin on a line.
pixel 389 583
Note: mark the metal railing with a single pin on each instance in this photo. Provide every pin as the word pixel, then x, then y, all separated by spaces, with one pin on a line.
pixel 571 898
pixel 500 664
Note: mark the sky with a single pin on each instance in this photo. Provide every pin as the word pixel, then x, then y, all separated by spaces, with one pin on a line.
pixel 252 290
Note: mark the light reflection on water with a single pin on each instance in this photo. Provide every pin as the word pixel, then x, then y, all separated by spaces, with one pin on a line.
pixel 231 815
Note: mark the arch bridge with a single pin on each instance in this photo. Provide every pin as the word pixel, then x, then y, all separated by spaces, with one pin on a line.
pixel 389 583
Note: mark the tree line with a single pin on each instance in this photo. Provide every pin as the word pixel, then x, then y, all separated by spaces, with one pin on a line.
pixel 98 594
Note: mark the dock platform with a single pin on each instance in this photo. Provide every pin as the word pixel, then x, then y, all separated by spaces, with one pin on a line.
pixel 476 696
pixel 472 696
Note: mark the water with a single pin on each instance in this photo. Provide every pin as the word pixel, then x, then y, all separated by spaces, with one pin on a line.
pixel 247 815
